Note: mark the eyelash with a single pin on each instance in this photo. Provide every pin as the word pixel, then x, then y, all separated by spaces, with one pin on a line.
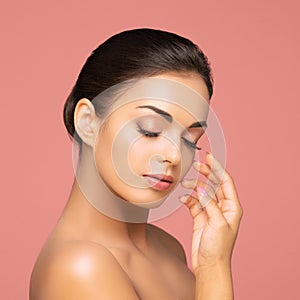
pixel 191 144
pixel 147 133
pixel 151 134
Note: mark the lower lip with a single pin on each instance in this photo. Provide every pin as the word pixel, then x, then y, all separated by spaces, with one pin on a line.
pixel 158 184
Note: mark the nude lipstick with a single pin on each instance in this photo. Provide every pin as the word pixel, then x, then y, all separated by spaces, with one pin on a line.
pixel 159 182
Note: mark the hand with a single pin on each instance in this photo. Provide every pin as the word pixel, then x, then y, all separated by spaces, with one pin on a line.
pixel 215 225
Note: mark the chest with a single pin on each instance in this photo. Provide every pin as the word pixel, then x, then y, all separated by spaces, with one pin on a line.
pixel 163 277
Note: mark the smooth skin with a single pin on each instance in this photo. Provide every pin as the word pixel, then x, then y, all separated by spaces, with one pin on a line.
pixel 91 256
pixel 214 233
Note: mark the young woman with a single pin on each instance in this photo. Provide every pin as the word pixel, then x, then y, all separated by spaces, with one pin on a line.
pixel 137 110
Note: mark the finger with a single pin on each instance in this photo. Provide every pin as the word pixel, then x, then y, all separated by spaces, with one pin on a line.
pixel 194 183
pixel 214 214
pixel 206 171
pixel 229 190
pixel 226 181
pixel 189 183
pixel 219 193
pixel 192 203
pixel 205 194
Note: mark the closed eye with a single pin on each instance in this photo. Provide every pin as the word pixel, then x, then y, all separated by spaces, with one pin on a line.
pixel 191 144
pixel 152 134
pixel 147 133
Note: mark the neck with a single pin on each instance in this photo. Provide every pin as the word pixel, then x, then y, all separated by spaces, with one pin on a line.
pixel 85 219
pixel 96 213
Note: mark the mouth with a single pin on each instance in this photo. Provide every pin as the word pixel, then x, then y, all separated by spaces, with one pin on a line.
pixel 159 182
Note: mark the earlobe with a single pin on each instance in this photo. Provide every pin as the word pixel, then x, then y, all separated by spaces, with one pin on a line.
pixel 86 121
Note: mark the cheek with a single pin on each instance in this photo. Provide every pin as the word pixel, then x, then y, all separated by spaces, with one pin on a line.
pixel 186 162
pixel 139 155
pixel 102 154
pixel 187 158
pixel 128 157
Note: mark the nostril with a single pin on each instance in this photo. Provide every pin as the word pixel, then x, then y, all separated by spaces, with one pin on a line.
pixel 166 160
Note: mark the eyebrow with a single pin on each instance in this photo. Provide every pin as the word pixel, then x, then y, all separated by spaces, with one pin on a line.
pixel 169 118
pixel 163 113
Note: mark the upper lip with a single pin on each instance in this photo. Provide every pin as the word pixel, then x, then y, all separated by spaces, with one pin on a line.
pixel 161 177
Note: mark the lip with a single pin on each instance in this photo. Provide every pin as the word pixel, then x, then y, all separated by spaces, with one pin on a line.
pixel 159 182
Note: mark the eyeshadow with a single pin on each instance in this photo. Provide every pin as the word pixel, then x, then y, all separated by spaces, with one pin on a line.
pixel 152 123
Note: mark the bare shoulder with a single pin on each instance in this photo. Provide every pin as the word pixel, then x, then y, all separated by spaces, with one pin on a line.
pixel 169 241
pixel 79 270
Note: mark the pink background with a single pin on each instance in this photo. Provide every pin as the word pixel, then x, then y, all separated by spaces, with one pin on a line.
pixel 254 49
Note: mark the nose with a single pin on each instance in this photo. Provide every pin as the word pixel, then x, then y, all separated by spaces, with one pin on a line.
pixel 171 153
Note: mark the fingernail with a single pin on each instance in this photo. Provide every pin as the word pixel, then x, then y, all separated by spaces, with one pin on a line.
pixel 189 184
pixel 201 191
pixel 205 196
pixel 185 179
pixel 208 152
pixel 183 198
pixel 196 164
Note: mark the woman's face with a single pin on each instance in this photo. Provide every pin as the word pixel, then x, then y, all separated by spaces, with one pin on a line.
pixel 147 145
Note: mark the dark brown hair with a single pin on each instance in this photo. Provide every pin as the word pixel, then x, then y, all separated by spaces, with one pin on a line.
pixel 133 54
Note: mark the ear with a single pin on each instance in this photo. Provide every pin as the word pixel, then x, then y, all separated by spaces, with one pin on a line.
pixel 86 122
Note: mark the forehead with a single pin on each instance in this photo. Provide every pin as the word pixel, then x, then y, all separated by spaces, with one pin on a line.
pixel 170 95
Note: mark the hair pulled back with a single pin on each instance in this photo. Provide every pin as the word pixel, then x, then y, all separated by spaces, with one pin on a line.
pixel 135 53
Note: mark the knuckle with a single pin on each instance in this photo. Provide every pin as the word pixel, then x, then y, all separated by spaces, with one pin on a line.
pixel 239 212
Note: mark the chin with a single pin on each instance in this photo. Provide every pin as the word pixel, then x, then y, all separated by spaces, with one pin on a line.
pixel 153 204
pixel 146 198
